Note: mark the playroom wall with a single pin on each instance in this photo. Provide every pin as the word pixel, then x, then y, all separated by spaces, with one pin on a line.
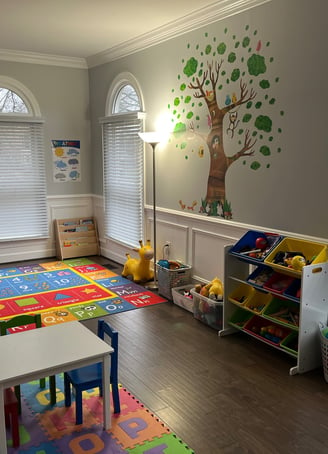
pixel 63 96
pixel 286 194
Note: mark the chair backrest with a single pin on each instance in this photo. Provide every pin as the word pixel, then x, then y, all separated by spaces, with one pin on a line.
pixel 105 329
pixel 20 320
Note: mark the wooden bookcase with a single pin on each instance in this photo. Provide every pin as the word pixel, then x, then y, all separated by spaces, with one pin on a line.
pixel 76 237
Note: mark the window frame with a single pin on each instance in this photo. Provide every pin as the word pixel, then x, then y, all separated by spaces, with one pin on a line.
pixel 117 85
pixel 25 131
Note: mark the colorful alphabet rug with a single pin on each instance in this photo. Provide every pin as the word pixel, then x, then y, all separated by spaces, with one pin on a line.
pixel 52 430
pixel 62 291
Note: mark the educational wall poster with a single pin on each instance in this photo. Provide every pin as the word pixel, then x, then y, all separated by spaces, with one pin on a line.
pixel 66 156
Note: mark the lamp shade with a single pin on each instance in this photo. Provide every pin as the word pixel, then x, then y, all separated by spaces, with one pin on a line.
pixel 152 137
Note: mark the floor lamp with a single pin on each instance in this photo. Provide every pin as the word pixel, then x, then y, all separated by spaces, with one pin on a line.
pixel 153 138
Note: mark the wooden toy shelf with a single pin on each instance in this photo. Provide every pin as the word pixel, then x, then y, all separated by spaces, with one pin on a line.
pixel 76 237
pixel 251 309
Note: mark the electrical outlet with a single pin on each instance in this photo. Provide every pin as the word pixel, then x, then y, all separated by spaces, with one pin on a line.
pixel 166 250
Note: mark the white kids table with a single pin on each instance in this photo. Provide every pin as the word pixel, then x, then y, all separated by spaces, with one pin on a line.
pixel 38 353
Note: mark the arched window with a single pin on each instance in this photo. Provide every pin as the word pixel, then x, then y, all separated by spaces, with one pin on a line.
pixel 23 202
pixel 123 162
pixel 11 102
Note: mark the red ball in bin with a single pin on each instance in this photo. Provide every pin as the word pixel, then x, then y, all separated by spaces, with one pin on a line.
pixel 260 243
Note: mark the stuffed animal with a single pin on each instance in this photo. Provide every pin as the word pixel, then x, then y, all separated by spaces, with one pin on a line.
pixel 215 290
pixel 212 290
pixel 139 269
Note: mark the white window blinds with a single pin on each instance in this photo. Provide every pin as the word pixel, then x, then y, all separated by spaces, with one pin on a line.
pixel 23 202
pixel 123 177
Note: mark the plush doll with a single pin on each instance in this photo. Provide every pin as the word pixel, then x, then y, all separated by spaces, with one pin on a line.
pixel 212 290
pixel 215 289
pixel 139 269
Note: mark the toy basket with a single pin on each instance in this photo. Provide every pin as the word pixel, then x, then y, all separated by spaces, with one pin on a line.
pixel 186 302
pixel 324 348
pixel 169 278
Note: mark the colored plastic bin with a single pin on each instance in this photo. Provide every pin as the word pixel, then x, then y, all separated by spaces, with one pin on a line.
pixel 256 324
pixel 290 344
pixel 260 276
pixel 241 294
pixel 294 290
pixel 258 301
pixel 240 317
pixel 284 312
pixel 278 283
pixel 247 243
pixel 313 252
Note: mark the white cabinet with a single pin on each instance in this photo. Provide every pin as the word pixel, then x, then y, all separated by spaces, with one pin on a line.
pixel 280 315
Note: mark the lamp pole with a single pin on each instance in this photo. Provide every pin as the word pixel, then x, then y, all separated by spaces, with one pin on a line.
pixel 153 138
pixel 154 286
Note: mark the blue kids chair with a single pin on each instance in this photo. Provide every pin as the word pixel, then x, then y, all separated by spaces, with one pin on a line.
pixel 91 376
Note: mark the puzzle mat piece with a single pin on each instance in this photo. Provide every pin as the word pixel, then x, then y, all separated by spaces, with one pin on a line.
pixel 94 440
pixel 168 444
pixel 137 427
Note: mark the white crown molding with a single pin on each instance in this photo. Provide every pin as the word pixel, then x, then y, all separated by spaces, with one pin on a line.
pixel 202 17
pixel 42 59
pixel 205 16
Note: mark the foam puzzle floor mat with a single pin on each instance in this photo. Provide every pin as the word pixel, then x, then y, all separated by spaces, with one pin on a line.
pixel 63 291
pixel 51 430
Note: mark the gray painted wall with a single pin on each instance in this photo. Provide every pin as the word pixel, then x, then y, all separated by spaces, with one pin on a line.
pixel 290 193
pixel 63 97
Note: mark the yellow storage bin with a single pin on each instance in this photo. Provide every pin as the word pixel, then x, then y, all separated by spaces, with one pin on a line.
pixel 258 302
pixel 241 294
pixel 313 253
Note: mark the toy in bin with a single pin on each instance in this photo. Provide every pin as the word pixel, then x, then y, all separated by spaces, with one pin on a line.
pixel 213 290
pixel 255 245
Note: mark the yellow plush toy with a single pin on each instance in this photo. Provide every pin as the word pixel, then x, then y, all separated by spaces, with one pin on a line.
pixel 139 269
pixel 215 289
pixel 212 290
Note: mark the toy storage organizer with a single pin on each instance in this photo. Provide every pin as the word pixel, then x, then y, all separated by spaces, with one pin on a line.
pixel 277 305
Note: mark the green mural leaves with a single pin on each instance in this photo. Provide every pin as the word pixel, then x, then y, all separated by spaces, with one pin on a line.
pixel 263 123
pixel 191 67
pixel 256 65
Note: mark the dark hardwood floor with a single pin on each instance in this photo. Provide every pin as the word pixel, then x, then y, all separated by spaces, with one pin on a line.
pixel 219 395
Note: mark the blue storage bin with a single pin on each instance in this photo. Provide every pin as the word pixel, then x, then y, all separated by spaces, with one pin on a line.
pixel 247 244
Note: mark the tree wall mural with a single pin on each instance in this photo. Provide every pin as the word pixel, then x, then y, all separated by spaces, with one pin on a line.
pixel 230 83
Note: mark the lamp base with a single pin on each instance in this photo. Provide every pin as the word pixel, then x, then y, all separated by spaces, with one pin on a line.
pixel 151 286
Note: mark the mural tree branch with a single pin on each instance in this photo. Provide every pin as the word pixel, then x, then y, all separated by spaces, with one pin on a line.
pixel 235 123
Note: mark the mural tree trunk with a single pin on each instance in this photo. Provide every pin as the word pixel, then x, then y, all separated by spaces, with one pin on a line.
pixel 219 162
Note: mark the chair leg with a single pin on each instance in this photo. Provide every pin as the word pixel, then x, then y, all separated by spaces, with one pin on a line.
pixel 52 387
pixel 11 416
pixel 15 428
pixel 67 391
pixel 78 407
pixel 116 398
pixel 18 397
